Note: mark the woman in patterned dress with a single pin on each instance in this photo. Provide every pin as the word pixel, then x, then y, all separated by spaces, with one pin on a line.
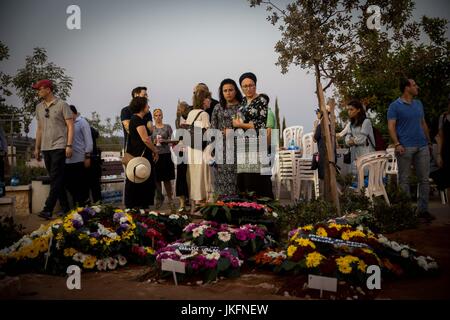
pixel 225 175
pixel 254 109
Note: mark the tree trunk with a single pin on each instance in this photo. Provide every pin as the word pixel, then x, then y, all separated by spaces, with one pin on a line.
pixel 330 169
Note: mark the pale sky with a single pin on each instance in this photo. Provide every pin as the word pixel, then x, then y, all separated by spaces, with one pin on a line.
pixel 168 46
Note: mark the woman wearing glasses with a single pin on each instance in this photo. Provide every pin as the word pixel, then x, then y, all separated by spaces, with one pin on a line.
pixel 253 111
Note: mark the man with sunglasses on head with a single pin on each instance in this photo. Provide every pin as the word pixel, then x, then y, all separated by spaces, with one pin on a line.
pixel 54 137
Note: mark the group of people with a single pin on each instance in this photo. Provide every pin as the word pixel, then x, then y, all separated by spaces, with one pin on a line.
pixel 199 178
pixel 410 137
pixel 67 144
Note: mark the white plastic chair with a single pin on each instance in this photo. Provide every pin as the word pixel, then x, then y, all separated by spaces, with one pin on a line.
pixel 306 175
pixel 286 171
pixel 391 167
pixel 308 145
pixel 375 163
pixel 292 133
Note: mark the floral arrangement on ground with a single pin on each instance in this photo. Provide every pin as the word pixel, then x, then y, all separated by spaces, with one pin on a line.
pixel 246 239
pixel 344 252
pixel 94 238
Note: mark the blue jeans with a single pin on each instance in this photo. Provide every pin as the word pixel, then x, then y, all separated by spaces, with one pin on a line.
pixel 420 158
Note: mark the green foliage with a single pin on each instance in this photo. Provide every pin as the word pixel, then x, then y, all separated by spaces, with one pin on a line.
pixel 38 67
pixel 304 213
pixel 27 174
pixel 378 215
pixel 9 232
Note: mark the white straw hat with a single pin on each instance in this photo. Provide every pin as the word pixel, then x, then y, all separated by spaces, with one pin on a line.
pixel 138 170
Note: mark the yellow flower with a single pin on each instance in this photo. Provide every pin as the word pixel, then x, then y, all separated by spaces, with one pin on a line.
pixel 344 263
pixel 150 250
pixel 32 252
pixel 82 236
pixel 305 243
pixel 362 266
pixel 89 262
pixel 69 227
pixel 294 236
pixel 41 244
pixel 367 251
pixel 321 232
pixel 93 241
pixel 107 241
pixel 313 259
pixel 69 252
pixel 118 210
pixel 59 236
pixel 79 209
pixel 291 250
pixel 309 227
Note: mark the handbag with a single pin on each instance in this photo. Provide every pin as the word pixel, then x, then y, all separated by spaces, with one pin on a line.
pixel 128 156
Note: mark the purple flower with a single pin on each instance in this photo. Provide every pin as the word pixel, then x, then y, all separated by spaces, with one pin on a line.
pixel 211 264
pixel 234 262
pixel 241 235
pixel 210 232
pixel 94 234
pixel 194 265
pixel 118 215
pixel 251 236
pixel 77 224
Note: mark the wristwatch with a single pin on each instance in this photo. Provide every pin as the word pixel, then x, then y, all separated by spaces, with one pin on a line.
pixel 68 146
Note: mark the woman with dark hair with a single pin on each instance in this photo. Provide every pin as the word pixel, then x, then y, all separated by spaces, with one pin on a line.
pixel 199 175
pixel 222 119
pixel 252 115
pixel 140 195
pixel 359 137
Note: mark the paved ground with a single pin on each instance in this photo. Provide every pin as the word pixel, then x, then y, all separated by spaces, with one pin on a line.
pixel 433 239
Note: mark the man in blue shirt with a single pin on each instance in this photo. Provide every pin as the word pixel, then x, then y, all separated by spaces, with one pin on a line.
pixel 409 132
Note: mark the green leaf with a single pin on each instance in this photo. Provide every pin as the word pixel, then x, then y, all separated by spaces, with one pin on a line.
pixel 223 264
pixel 214 211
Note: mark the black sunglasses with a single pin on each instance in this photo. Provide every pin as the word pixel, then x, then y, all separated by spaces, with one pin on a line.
pixel 47 113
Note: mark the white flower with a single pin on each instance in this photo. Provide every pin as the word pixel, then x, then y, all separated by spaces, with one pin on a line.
pixel 113 235
pixel 153 213
pixel 395 246
pixel 213 256
pixel 382 240
pixel 97 209
pixel 240 262
pixel 360 228
pixel 112 263
pixel 404 253
pixel 101 264
pixel 274 214
pixel 185 217
pixel 79 257
pixel 197 232
pixel 123 220
pixel 423 264
pixel 433 265
pixel 142 211
pixel 224 236
pixel 174 216
pixel 122 260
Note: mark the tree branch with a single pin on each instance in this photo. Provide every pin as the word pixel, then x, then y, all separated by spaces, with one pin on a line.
pixel 269 3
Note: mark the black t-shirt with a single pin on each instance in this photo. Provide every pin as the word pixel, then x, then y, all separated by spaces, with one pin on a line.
pixel 135 145
pixel 126 114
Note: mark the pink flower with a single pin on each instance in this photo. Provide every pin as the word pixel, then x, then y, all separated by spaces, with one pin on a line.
pixel 241 235
pixel 210 232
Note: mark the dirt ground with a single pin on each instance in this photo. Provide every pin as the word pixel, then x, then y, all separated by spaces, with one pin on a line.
pixel 432 239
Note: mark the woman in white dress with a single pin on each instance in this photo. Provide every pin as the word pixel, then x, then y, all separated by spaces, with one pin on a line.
pixel 199 172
